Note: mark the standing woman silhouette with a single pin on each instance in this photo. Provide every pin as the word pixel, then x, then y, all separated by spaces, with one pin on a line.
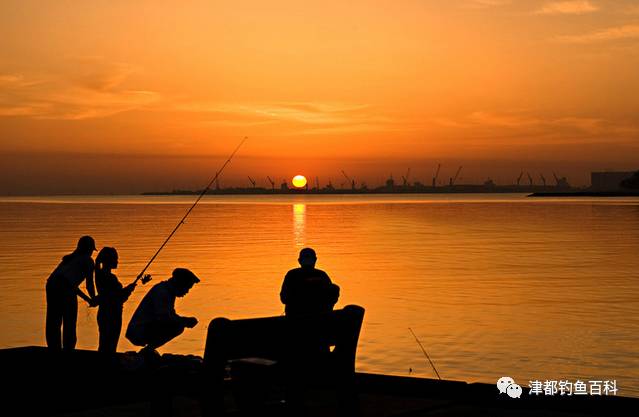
pixel 111 298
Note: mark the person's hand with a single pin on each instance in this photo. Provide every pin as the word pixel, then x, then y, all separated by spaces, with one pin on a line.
pixel 190 322
pixel 146 278
pixel 93 302
pixel 131 287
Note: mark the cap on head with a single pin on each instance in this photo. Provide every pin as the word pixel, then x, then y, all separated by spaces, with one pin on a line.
pixel 184 276
pixel 86 242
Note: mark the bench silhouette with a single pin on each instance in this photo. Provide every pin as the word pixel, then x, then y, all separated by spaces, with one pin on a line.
pixel 298 352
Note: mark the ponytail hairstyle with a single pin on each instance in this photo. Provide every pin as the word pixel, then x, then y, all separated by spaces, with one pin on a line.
pixel 106 257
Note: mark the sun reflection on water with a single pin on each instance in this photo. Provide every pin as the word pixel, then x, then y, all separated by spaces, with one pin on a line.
pixel 299 224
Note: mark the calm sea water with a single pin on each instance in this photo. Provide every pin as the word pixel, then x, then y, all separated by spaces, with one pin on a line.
pixel 493 285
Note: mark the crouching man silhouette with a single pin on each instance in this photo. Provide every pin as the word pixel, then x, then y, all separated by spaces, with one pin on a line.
pixel 155 321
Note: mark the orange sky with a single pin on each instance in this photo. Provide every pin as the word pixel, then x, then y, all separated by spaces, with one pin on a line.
pixel 120 96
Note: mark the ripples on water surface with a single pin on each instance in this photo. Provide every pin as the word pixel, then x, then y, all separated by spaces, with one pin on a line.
pixel 493 285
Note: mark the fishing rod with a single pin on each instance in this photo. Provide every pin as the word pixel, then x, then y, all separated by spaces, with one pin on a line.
pixel 147 278
pixel 425 354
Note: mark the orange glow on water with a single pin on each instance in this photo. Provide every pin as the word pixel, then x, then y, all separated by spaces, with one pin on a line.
pixel 458 272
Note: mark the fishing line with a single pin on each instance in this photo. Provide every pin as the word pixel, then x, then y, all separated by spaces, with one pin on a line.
pixel 425 353
pixel 181 222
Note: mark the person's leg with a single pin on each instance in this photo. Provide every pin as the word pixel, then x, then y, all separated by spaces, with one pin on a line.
pixel 116 330
pixel 103 330
pixel 54 319
pixel 69 321
pixel 161 333
pixel 110 326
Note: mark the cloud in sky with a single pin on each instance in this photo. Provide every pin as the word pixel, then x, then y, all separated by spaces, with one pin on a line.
pixel 302 112
pixel 95 73
pixel 526 124
pixel 632 10
pixel 55 100
pixel 630 31
pixel 483 4
pixel 96 89
pixel 9 79
pixel 507 120
pixel 575 7
pixel 297 117
pixel 93 88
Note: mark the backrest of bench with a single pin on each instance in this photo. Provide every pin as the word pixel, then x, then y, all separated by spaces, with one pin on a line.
pixel 279 338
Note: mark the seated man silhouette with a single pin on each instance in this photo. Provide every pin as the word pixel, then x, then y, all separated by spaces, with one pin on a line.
pixel 155 321
pixel 308 290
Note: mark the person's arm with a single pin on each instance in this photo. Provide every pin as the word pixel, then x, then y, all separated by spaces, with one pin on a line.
pixel 163 308
pixel 125 292
pixel 332 291
pixel 167 313
pixel 333 294
pixel 89 280
pixel 285 291
pixel 93 302
pixel 189 322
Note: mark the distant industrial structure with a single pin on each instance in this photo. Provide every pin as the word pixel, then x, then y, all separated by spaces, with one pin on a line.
pixel 601 182
pixel 609 180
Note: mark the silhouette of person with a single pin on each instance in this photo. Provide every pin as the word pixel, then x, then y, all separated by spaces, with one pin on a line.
pixel 307 290
pixel 62 291
pixel 155 321
pixel 111 298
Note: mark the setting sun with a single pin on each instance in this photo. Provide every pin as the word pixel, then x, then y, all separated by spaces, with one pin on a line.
pixel 299 181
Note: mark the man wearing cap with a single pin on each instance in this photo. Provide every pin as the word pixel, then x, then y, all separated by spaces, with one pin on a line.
pixel 308 290
pixel 62 291
pixel 155 321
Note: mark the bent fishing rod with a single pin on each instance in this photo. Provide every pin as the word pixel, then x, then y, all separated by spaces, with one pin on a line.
pixel 425 354
pixel 147 278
